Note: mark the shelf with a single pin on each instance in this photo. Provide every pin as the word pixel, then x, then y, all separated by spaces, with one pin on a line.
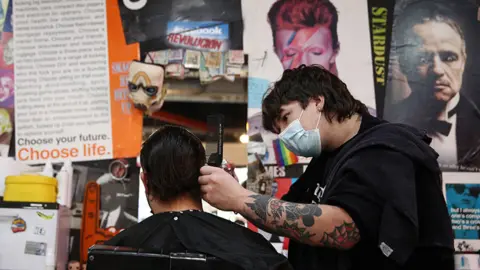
pixel 221 91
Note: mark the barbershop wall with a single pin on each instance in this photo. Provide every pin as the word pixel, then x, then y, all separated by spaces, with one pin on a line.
pixel 64 92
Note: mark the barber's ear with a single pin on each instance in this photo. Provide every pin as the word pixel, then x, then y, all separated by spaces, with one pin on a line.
pixel 143 176
pixel 319 102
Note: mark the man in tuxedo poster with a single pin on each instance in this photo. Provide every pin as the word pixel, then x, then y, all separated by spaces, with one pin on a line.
pixel 431 56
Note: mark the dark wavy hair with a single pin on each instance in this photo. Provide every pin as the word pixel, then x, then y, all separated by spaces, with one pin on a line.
pixel 171 158
pixel 303 84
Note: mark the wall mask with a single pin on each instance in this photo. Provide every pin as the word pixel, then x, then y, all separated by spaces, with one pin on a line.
pixel 146 86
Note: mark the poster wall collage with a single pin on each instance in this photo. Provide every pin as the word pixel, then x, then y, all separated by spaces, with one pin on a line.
pixel 64 92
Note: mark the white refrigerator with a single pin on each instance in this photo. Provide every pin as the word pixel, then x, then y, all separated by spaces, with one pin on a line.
pixel 33 236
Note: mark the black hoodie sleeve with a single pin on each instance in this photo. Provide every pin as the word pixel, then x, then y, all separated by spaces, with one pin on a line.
pixel 376 187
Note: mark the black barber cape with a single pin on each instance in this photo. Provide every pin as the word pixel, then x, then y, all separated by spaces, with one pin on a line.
pixel 201 232
pixel 387 179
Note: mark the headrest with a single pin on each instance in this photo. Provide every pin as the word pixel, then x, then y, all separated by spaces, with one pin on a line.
pixel 124 258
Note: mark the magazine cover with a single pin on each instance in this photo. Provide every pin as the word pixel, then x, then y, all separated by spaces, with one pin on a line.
pixel 433 83
pixel 71 90
pixel 462 192
pixel 150 22
pixel 119 181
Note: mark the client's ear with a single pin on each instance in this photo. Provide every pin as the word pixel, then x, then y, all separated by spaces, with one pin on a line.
pixel 143 176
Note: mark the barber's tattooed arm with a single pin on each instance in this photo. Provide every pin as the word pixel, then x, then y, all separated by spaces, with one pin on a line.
pixel 318 225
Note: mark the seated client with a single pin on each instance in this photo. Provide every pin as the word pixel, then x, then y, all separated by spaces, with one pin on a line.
pixel 171 159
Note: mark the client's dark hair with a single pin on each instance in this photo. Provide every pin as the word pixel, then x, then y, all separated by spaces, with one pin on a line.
pixel 171 158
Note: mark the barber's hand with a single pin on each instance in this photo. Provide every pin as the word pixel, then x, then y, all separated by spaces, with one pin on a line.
pixel 220 189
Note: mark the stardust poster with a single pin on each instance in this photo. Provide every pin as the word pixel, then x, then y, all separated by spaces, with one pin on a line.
pixel 433 82
pixel 381 20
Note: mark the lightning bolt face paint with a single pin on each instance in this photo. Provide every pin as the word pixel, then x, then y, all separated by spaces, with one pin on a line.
pixel 307 46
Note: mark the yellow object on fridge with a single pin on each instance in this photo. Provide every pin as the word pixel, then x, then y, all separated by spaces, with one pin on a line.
pixel 30 188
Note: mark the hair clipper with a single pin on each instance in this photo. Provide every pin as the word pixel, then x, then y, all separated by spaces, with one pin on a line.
pixel 214 144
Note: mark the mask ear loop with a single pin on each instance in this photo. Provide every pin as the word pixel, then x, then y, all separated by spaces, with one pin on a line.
pixel 318 121
pixel 300 117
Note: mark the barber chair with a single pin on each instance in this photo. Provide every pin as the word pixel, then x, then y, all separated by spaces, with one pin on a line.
pixel 102 257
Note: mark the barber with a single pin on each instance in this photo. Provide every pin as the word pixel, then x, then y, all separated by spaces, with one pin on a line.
pixel 371 197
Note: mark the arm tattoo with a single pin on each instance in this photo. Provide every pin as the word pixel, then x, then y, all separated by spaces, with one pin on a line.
pixel 294 231
pixel 307 212
pixel 259 207
pixel 296 221
pixel 277 210
pixel 341 236
pixel 265 207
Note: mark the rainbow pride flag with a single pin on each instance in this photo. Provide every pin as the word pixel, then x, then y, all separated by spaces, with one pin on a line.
pixel 283 156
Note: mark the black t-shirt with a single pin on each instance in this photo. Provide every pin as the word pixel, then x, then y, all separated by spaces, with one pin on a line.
pixel 200 232
pixel 358 194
